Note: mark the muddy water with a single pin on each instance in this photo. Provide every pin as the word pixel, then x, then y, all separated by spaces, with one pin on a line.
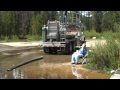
pixel 50 67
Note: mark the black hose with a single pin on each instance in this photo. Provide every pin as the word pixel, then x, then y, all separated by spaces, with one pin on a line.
pixel 24 63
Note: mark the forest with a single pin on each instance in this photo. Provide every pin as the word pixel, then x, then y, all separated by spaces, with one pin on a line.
pixel 28 24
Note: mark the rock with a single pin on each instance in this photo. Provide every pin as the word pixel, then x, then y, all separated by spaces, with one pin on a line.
pixel 90 50
pixel 93 37
pixel 116 74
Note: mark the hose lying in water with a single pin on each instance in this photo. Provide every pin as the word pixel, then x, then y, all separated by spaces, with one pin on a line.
pixel 24 63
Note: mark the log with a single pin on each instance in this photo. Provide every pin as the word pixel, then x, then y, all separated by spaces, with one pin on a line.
pixel 24 63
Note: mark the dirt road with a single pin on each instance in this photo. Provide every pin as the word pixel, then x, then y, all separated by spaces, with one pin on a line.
pixel 89 43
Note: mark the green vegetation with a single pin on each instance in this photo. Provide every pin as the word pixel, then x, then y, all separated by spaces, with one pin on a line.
pixel 7 39
pixel 92 33
pixel 16 39
pixel 103 35
pixel 20 24
pixel 33 38
pixel 105 56
pixel 23 25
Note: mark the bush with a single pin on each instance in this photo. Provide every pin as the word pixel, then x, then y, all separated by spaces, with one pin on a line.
pixel 15 38
pixel 92 33
pixel 106 56
pixel 111 35
pixel 6 38
pixel 105 34
pixel 33 37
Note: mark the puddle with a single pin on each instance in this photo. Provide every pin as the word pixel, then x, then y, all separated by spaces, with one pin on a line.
pixel 50 67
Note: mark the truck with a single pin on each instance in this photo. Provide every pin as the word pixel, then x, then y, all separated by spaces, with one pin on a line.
pixel 62 36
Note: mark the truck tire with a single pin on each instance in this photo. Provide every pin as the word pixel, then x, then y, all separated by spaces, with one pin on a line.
pixel 45 49
pixel 73 46
pixel 69 48
pixel 52 50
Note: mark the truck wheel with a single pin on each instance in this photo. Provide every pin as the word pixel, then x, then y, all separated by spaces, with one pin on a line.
pixel 70 48
pixel 45 50
pixel 73 46
pixel 67 50
pixel 50 50
pixel 53 50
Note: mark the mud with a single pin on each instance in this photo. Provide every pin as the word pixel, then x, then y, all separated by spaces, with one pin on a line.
pixel 52 66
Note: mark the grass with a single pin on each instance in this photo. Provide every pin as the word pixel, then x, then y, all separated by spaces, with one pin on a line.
pixel 7 39
pixel 15 38
pixel 33 37
pixel 103 35
pixel 105 56
pixel 92 33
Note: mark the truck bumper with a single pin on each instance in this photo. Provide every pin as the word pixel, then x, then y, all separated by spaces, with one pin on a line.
pixel 54 44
